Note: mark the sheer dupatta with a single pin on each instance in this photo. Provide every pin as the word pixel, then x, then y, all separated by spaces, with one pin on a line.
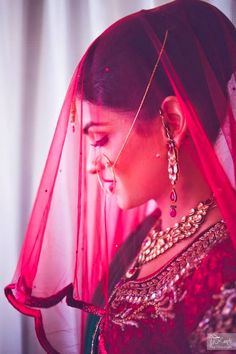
pixel 75 230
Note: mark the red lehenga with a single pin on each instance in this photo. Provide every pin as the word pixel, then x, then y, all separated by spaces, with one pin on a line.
pixel 175 309
pixel 76 248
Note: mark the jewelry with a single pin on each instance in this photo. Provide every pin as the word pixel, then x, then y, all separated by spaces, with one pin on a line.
pixel 158 242
pixel 108 163
pixel 144 97
pixel 106 174
pixel 173 167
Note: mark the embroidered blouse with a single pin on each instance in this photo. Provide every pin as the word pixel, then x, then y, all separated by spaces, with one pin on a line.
pixel 173 310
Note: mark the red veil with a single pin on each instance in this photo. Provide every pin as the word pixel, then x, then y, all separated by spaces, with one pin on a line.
pixel 76 231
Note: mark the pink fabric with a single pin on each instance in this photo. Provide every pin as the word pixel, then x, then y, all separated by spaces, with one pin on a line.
pixel 75 230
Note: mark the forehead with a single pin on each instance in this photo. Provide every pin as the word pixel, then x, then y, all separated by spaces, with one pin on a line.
pixel 100 115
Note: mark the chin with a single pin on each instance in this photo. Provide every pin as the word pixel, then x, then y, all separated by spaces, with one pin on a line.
pixel 122 204
pixel 127 203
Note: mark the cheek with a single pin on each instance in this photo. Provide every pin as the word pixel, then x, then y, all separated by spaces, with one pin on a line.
pixel 141 179
pixel 151 175
pixel 141 175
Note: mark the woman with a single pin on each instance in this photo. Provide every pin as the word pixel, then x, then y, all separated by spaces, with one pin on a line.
pixel 154 96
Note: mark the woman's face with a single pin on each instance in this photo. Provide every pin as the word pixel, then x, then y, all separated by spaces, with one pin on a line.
pixel 140 174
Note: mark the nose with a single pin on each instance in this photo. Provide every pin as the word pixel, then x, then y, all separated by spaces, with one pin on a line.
pixel 92 167
pixel 93 162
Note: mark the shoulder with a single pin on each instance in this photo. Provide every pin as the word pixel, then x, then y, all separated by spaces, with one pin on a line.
pixel 219 318
pixel 209 305
pixel 217 267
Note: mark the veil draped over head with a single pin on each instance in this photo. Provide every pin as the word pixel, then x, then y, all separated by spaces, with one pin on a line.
pixel 78 242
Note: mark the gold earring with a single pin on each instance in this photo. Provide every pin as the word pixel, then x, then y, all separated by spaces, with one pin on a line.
pixel 173 166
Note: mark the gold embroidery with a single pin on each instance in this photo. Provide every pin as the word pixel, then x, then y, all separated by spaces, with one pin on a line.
pixel 162 291
pixel 220 318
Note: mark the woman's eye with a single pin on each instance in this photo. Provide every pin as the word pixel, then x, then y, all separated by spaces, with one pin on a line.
pixel 100 142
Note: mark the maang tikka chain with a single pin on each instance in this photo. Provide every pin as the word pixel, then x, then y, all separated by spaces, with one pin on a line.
pixel 147 88
pixel 173 167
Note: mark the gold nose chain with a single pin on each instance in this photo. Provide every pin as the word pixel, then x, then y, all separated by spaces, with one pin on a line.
pixel 158 242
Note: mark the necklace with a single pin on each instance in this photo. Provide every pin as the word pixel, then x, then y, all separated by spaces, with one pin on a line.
pixel 158 242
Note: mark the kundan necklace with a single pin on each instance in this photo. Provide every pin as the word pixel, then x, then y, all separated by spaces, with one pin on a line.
pixel 157 242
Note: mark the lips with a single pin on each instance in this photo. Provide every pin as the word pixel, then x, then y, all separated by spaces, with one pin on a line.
pixel 107 180
pixel 111 188
pixel 110 185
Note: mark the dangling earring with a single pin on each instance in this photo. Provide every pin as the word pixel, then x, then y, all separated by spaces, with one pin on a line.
pixel 173 167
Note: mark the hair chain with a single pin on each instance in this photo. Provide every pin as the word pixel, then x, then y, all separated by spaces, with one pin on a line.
pixel 144 96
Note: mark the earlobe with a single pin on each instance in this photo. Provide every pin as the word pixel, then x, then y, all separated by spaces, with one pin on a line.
pixel 174 118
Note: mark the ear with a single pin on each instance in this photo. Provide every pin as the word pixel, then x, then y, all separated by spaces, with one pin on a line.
pixel 174 118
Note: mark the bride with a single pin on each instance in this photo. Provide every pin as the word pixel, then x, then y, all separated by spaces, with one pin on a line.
pixel 150 255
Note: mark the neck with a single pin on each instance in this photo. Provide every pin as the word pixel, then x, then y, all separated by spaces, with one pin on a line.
pixel 191 188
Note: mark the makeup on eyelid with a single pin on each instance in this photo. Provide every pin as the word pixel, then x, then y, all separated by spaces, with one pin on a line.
pixel 100 142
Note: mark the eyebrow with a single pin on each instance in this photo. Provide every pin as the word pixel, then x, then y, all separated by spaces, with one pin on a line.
pixel 89 125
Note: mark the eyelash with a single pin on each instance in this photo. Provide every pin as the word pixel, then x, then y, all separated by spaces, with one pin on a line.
pixel 101 142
